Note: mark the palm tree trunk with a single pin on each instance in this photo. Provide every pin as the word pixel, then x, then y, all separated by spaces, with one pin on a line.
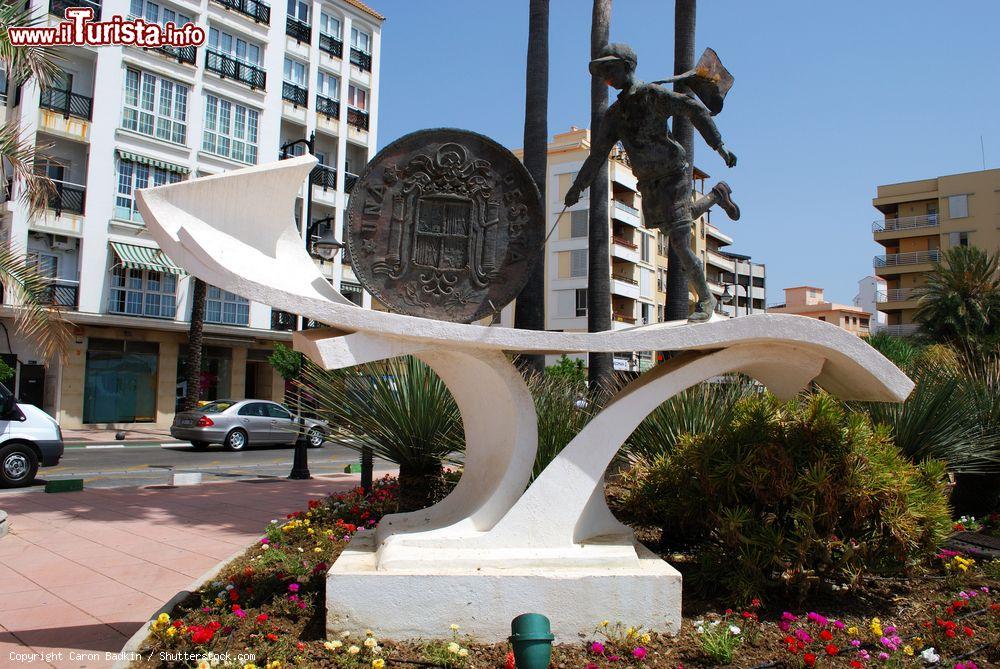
pixel 417 483
pixel 529 310
pixel 199 290
pixel 599 253
pixel 684 35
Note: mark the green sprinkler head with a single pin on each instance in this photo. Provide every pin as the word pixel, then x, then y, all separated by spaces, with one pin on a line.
pixel 531 638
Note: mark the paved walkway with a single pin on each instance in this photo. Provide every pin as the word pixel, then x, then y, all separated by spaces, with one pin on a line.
pixel 81 572
pixel 132 435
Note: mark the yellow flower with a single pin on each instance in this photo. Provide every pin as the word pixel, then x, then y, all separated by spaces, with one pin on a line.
pixel 370 642
pixel 645 638
pixel 378 663
pixel 369 633
pixel 311 531
pixel 918 641
pixel 454 627
pixel 630 632
pixel 332 646
pixel 218 601
pixel 463 652
pixel 317 550
pixel 853 630
pixel 163 618
pixel 908 650
pixel 249 665
pixel 171 631
pixel 453 648
pixel 605 623
pixel 353 650
pixel 204 664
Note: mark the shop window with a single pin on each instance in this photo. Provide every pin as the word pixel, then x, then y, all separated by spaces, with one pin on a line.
pixel 120 381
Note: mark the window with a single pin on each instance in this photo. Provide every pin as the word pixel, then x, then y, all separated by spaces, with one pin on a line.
pixel 275 411
pixel 226 308
pixel 298 10
pixel 222 42
pixel 357 97
pixel 329 25
pixel 230 130
pixel 578 262
pixel 155 106
pixel 45 264
pixel 958 206
pixel 361 40
pixel 644 246
pixel 579 223
pixel 131 176
pixel 295 73
pixel 120 381
pixel 958 239
pixel 328 86
pixel 258 409
pixel 137 292
pixel 154 13
pixel 581 302
pixel 659 313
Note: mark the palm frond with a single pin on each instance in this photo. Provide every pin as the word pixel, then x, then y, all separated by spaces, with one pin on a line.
pixel 19 153
pixel 34 317
pixel 24 63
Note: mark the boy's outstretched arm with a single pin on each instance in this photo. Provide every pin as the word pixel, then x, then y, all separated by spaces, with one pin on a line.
pixel 605 140
pixel 701 118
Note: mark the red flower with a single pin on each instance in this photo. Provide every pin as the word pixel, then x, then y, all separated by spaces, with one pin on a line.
pixel 755 603
pixel 272 636
pixel 178 623
pixel 201 635
pixel 831 649
pixel 950 633
pixel 300 645
pixel 262 618
pixel 968 631
pixel 233 595
pixel 856 665
pixel 809 659
pixel 826 635
pixel 510 660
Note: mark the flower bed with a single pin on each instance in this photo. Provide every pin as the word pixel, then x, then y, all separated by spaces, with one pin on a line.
pixel 270 604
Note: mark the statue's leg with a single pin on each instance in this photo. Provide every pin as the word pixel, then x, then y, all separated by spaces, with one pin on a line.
pixel 680 239
pixel 722 195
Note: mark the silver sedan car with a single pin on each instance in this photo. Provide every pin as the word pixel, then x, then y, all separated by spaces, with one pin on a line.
pixel 237 424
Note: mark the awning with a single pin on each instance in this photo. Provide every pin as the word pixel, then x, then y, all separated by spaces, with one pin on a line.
pixel 152 162
pixel 131 256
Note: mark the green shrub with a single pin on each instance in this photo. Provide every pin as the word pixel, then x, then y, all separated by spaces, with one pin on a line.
pixel 790 496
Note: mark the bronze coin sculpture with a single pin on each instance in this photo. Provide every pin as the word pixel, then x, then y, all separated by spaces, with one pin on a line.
pixel 445 224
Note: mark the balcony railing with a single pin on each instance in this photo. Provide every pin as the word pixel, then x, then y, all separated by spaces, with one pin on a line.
pixel 297 95
pixel 63 294
pixel 626 279
pixel 256 10
pixel 67 103
pixel 58 7
pixel 357 118
pixel 624 242
pixel 183 54
pixel 68 197
pixel 904 330
pixel 328 107
pixel 895 295
pixel 906 223
pixel 627 208
pixel 331 45
pixel 912 258
pixel 298 30
pixel 282 320
pixel 361 59
pixel 349 181
pixel 323 176
pixel 230 68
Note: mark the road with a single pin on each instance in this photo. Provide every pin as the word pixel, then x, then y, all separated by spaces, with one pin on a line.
pixel 119 466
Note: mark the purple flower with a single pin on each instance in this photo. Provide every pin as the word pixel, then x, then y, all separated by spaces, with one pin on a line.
pixel 240 613
pixel 817 619
pixel 784 625
pixel 265 540
pixel 639 653
pixel 856 643
pixel 863 654
pixel 802 635
pixel 597 648
pixel 883 656
pixel 789 617
pixel 839 625
pixel 293 587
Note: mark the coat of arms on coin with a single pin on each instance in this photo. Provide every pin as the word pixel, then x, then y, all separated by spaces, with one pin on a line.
pixel 445 224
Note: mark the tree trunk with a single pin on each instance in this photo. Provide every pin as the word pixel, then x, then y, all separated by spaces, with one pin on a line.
pixel 417 484
pixel 683 132
pixel 529 310
pixel 199 290
pixel 599 253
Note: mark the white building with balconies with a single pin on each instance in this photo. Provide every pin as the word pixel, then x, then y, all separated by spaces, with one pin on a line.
pixel 124 118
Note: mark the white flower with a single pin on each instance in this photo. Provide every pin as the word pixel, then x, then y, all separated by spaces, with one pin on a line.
pixel 715 623
pixel 370 642
pixel 929 656
pixel 700 629
pixel 230 586
pixel 353 650
pixel 265 547
pixel 454 627
pixel 345 634
pixel 453 648
pixel 464 652
pixel 734 629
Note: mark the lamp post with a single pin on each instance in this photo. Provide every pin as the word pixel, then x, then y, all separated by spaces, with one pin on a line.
pixel 730 295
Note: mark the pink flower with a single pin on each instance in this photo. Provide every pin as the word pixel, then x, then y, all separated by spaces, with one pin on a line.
pixel 240 613
pixel 789 617
pixel 839 625
pixel 803 635
pixel 817 619
pixel 784 625
pixel 883 656
pixel 597 648
pixel 265 540
pixel 293 587
pixel 591 665
pixel 856 643
pixel 639 653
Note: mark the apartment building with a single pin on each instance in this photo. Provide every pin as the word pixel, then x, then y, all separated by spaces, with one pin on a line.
pixel 871 289
pixel 637 255
pixel 125 118
pixel 809 301
pixel 919 220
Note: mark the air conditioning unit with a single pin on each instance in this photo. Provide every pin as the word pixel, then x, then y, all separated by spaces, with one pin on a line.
pixel 61 243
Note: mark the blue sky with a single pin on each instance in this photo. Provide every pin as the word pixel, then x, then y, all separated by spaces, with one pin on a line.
pixel 831 99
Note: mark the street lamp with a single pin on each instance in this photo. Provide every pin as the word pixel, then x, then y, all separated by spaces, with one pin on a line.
pixel 729 296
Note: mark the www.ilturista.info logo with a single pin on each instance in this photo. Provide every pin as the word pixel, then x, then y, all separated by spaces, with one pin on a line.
pixel 79 29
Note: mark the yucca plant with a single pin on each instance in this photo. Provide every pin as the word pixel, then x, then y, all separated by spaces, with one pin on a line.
pixel 398 408
pixel 563 406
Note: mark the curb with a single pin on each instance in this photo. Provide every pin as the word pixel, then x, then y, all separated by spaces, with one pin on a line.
pixel 131 646
pixel 121 444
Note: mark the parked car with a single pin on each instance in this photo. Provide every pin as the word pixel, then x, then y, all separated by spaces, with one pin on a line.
pixel 29 437
pixel 237 424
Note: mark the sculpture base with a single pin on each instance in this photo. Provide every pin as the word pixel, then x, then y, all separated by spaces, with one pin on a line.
pixel 411 604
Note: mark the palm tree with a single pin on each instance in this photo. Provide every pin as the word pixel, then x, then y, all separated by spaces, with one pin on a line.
pixel 685 12
pixel 529 310
pixel 959 303
pixel 196 335
pixel 34 317
pixel 601 368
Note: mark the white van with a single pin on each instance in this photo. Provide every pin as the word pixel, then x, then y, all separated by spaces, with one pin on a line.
pixel 29 437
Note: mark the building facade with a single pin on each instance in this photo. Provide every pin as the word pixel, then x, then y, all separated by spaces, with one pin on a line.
pixel 808 301
pixel 638 256
pixel 870 290
pixel 125 118
pixel 922 218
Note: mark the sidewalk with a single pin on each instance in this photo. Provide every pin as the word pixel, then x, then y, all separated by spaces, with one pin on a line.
pixel 133 436
pixel 81 572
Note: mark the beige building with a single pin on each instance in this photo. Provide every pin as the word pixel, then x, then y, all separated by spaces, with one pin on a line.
pixel 637 255
pixel 921 218
pixel 808 301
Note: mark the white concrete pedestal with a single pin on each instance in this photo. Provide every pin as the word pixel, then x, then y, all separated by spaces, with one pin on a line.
pixel 409 604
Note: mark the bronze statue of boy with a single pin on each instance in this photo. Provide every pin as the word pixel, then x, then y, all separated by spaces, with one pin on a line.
pixel 638 119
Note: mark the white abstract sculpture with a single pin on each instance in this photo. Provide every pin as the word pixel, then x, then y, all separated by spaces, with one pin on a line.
pixel 494 548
